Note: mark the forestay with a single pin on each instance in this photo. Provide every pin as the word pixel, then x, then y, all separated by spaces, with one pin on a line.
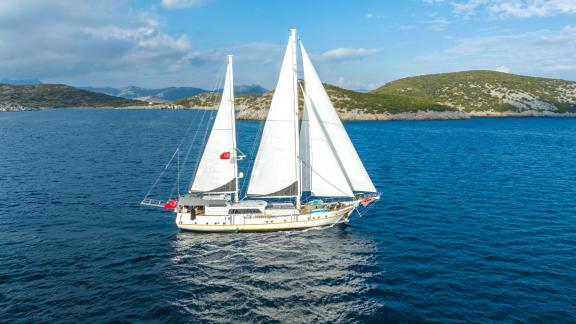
pixel 354 170
pixel 216 172
pixel 275 172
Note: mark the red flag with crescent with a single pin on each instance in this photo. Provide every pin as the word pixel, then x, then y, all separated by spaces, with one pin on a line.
pixel 225 156
pixel 171 204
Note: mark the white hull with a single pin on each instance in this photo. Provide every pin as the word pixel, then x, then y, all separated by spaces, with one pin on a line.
pixel 261 222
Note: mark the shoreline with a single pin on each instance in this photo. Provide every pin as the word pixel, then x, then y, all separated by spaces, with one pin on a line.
pixel 345 116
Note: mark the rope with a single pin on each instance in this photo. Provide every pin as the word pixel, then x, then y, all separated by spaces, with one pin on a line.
pixel 214 97
pixel 323 177
pixel 176 186
pixel 161 174
pixel 361 214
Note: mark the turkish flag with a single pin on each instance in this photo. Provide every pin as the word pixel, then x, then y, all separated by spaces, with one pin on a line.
pixel 225 156
pixel 171 204
pixel 367 201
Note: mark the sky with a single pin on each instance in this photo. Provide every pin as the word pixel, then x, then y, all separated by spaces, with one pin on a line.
pixel 358 44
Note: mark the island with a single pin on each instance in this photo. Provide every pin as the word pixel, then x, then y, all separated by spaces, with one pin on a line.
pixel 456 95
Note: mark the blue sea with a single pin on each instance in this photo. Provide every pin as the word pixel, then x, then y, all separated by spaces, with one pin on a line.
pixel 477 223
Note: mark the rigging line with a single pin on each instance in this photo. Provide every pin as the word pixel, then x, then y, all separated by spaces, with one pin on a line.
pixel 179 170
pixel 171 159
pixel 203 147
pixel 177 151
pixel 191 145
pixel 176 186
pixel 189 150
pixel 213 97
pixel 160 175
pixel 178 173
pixel 361 214
pixel 201 121
pixel 310 166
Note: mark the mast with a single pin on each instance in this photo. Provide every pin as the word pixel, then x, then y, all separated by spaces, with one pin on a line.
pixel 296 134
pixel 232 112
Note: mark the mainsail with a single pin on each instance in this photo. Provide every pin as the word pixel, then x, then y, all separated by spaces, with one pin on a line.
pixel 334 131
pixel 276 169
pixel 217 171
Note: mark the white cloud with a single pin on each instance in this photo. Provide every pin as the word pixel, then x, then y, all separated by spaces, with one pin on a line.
pixel 341 54
pixel 173 4
pixel 515 8
pixel 346 83
pixel 535 52
pixel 467 8
pixel 407 27
pixel 503 69
pixel 61 40
pixel 438 24
pixel 570 29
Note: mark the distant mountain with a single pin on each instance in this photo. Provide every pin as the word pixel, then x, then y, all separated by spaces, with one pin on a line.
pixel 249 89
pixel 57 96
pixel 151 100
pixel 169 94
pixel 20 82
pixel 132 92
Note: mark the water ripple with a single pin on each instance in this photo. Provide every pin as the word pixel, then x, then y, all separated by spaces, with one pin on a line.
pixel 477 224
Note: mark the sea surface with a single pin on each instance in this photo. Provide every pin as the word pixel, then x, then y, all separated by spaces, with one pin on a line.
pixel 477 223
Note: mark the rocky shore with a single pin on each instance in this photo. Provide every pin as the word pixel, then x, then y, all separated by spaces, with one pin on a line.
pixel 10 107
pixel 419 115
pixel 244 113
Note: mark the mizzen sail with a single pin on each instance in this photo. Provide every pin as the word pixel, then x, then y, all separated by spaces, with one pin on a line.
pixel 217 170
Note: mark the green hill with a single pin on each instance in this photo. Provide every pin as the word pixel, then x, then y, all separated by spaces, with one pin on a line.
pixel 57 96
pixel 350 104
pixel 446 95
pixel 488 91
pixel 435 96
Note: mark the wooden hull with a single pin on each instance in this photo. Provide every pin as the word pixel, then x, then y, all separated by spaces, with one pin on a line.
pixel 257 223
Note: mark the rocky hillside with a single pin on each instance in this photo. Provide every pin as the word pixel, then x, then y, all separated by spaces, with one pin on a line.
pixel 438 96
pixel 488 92
pixel 351 105
pixel 56 96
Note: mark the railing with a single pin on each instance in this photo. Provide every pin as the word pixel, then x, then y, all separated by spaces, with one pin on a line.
pixel 153 203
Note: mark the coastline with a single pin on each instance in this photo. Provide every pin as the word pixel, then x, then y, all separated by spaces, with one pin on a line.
pixel 250 114
pixel 243 114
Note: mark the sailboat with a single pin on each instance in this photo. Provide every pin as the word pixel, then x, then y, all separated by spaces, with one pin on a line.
pixel 305 174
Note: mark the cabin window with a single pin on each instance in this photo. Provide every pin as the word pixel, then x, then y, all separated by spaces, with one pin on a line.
pixel 245 211
pixel 217 205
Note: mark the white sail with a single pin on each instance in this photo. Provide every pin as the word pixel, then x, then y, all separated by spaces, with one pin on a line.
pixel 217 170
pixel 353 168
pixel 276 170
pixel 322 174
